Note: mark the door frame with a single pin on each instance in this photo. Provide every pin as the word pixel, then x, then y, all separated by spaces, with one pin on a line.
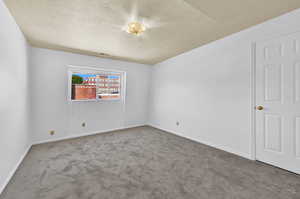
pixel 253 101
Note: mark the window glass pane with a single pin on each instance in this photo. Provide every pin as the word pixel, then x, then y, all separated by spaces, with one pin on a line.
pixel 109 86
pixel 96 85
pixel 83 86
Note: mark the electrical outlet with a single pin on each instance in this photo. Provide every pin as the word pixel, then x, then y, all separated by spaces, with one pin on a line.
pixel 83 124
pixel 177 123
pixel 51 132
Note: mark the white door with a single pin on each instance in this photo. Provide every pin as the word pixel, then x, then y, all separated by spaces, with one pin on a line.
pixel 278 95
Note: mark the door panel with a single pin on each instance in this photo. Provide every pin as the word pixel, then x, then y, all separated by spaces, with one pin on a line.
pixel 278 92
pixel 296 46
pixel 297 137
pixel 274 50
pixel 297 82
pixel 273 83
pixel 273 140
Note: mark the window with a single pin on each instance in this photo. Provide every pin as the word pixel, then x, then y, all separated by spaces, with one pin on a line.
pixel 95 84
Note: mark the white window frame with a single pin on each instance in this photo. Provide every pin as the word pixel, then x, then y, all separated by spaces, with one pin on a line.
pixel 81 69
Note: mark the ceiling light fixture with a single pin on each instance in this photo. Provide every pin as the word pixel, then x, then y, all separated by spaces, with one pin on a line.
pixel 135 28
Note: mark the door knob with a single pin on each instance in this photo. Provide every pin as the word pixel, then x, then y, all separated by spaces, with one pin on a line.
pixel 259 108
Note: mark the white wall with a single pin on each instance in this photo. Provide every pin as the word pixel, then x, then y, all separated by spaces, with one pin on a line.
pixel 53 111
pixel 208 90
pixel 14 97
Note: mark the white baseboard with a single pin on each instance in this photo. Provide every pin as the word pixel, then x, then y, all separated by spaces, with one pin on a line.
pixel 223 148
pixel 14 169
pixel 86 134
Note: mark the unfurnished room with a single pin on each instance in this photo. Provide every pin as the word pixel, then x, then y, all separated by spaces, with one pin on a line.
pixel 150 99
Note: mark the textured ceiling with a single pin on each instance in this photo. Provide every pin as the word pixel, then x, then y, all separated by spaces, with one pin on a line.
pixel 173 26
